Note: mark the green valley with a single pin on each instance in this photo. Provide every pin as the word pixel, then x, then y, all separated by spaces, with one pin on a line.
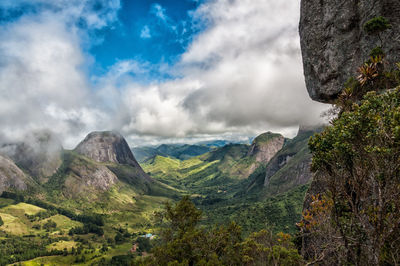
pixel 99 201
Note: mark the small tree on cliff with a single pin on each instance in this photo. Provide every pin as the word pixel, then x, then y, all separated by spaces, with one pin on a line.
pixel 376 26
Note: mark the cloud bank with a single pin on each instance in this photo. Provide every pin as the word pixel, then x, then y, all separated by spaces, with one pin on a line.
pixel 242 75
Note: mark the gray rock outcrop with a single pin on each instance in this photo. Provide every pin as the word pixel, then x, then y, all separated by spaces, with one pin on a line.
pixel 290 167
pixel 11 177
pixel 334 43
pixel 108 146
pixel 265 146
pixel 85 176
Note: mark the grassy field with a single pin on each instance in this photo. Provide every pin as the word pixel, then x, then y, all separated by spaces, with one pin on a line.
pixel 14 225
pixel 62 244
pixel 90 257
pixel 21 208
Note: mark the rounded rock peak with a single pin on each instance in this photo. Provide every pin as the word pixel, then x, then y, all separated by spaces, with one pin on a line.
pixel 106 146
pixel 265 146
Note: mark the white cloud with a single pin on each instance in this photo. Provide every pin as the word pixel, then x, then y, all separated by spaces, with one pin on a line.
pixel 159 12
pixel 94 14
pixel 42 84
pixel 145 32
pixel 241 76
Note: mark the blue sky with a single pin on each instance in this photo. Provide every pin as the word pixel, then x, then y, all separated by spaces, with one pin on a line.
pixel 156 71
pixel 148 31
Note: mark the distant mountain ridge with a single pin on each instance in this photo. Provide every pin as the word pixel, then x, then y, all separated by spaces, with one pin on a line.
pixel 179 151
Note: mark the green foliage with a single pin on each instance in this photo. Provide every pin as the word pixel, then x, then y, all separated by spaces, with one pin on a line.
pixel 265 248
pixel 50 224
pixel 182 217
pixel 1 221
pixel 14 249
pixel 144 244
pixel 359 158
pixel 278 213
pixel 86 229
pixel 183 242
pixel 120 260
pixel 377 25
pixel 377 51
pixel 119 238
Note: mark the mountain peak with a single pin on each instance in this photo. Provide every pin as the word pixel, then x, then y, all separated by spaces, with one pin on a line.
pixel 265 146
pixel 106 146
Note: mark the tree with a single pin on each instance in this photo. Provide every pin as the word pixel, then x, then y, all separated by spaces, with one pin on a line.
pixel 376 26
pixel 358 219
pixel 179 237
pixel 50 224
pixel 183 242
pixel 265 248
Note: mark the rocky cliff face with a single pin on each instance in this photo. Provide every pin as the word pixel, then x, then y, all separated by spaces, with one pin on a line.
pixel 334 43
pixel 109 146
pixel 84 175
pixel 290 167
pixel 106 146
pixel 265 146
pixel 11 177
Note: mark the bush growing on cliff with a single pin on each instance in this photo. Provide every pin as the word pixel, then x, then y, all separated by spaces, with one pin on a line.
pixel 376 26
pixel 357 220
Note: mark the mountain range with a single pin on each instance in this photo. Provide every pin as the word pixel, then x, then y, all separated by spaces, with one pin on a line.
pixel 263 182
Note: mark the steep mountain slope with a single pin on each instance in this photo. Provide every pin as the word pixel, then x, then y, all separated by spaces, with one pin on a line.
pixel 11 177
pixel 240 160
pixel 220 171
pixel 101 164
pixel 39 154
pixel 253 184
pixel 265 146
pixel 110 147
pixel 289 168
pixel 273 194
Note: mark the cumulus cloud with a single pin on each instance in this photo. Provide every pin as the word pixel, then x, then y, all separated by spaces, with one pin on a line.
pixel 240 76
pixel 42 84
